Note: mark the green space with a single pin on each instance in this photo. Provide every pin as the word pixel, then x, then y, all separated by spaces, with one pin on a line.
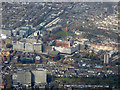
pixel 111 80
pixel 63 33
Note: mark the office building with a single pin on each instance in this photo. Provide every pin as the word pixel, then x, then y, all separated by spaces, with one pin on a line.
pixel 19 46
pixel 38 47
pixel 106 58
pixel 25 31
pixel 28 78
pixel 39 76
pixel 29 45
pixel 22 77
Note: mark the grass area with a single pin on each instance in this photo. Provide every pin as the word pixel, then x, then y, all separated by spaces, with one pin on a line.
pixel 111 80
pixel 63 33
pixel 66 80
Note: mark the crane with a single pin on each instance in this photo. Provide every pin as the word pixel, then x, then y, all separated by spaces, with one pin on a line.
pixel 66 30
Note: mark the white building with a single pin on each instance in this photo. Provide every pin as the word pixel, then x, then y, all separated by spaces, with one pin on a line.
pixel 106 58
pixel 68 50
pixel 29 45
pixel 18 46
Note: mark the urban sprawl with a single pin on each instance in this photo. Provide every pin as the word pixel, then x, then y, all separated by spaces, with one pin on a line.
pixel 59 45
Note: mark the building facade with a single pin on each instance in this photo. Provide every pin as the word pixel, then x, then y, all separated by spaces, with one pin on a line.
pixel 28 78
pixel 28 47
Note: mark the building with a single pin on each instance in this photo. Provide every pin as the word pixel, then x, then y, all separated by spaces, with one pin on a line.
pixel 22 77
pixel 60 43
pixel 38 32
pixel 29 78
pixel 106 58
pixel 107 47
pixel 82 47
pixel 27 60
pixel 6 31
pixel 39 76
pixel 67 47
pixel 29 40
pixel 37 59
pixel 29 45
pixel 53 53
pixel 25 31
pixel 38 47
pixel 20 46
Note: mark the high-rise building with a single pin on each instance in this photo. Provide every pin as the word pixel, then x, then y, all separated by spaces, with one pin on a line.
pixel 19 46
pixel 38 47
pixel 29 45
pixel 106 58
